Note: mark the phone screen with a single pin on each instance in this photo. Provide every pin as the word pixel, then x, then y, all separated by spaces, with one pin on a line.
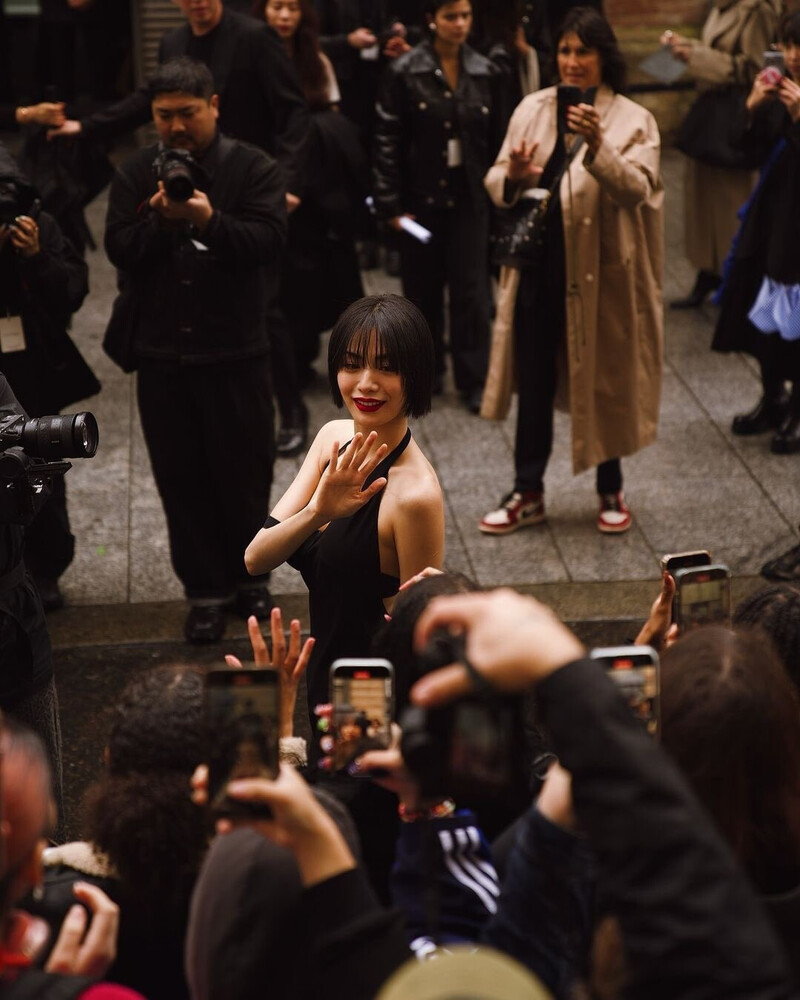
pixel 704 597
pixel 776 60
pixel 635 672
pixel 242 712
pixel 361 695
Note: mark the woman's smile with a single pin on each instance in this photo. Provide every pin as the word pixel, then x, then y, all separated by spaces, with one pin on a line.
pixel 368 405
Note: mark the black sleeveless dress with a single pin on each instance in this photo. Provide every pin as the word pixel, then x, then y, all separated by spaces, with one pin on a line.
pixel 346 588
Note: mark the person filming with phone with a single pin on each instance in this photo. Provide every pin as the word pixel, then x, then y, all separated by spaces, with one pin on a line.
pixel 581 312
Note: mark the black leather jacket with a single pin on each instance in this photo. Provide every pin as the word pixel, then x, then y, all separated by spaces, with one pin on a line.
pixel 417 114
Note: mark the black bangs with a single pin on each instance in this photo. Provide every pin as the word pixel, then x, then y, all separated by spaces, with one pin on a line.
pixel 390 331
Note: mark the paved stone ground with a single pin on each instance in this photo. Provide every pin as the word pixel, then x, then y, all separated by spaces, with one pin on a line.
pixel 696 486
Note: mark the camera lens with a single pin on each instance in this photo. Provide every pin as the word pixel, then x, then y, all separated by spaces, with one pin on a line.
pixel 73 435
pixel 178 181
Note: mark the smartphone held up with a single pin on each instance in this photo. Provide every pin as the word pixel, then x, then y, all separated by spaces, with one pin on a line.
pixel 362 702
pixel 243 725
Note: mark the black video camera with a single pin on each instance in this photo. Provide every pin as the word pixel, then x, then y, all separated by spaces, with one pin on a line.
pixel 472 749
pixel 25 480
pixel 179 172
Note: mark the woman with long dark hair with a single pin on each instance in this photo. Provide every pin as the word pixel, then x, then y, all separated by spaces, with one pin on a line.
pixel 586 318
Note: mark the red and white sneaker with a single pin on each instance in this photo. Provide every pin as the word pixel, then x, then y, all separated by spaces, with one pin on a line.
pixel 516 510
pixel 615 516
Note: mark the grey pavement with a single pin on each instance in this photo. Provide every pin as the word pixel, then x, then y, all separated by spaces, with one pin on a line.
pixel 697 486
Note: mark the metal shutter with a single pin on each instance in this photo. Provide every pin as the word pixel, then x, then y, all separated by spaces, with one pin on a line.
pixel 151 18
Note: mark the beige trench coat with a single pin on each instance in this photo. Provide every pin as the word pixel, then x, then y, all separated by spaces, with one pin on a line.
pixel 612 210
pixel 731 50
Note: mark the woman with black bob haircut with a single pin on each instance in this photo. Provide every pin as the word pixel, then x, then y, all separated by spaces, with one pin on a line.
pixel 582 322
pixel 365 512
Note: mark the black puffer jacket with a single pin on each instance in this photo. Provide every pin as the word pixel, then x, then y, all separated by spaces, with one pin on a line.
pixel 418 114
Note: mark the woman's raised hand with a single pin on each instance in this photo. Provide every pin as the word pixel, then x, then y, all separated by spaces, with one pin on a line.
pixel 340 493
pixel 520 164
pixel 762 90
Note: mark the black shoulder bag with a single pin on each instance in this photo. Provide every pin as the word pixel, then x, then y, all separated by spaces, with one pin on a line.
pixel 520 236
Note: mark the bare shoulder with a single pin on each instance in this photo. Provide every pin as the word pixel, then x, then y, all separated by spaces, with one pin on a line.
pixel 413 484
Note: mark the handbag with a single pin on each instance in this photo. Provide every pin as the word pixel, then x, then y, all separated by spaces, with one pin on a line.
pixel 713 130
pixel 520 239
pixel 121 329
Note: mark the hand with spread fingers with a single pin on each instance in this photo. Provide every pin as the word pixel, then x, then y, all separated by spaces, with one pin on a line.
pixel 521 168
pixel 86 946
pixel 290 662
pixel 340 493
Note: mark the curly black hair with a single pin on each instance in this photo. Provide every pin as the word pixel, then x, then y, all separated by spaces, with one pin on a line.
pixel 141 813
pixel 776 611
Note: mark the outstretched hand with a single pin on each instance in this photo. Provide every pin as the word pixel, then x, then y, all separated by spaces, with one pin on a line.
pixel 290 663
pixel 340 492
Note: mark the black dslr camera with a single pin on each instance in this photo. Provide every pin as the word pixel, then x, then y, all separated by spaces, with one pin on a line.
pixel 26 481
pixel 179 172
pixel 473 749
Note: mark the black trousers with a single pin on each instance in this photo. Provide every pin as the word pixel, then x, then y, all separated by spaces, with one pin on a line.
pixel 540 322
pixel 456 258
pixel 209 431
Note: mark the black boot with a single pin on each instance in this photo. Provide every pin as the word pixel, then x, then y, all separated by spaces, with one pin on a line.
pixel 705 283
pixel 769 414
pixel 787 440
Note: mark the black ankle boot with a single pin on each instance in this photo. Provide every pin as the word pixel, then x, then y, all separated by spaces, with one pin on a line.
pixel 787 440
pixel 705 283
pixel 768 414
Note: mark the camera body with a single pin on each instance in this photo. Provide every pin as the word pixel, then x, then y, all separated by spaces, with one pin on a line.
pixel 179 172
pixel 25 447
pixel 473 749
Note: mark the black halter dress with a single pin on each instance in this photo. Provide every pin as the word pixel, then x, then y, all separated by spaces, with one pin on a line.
pixel 346 588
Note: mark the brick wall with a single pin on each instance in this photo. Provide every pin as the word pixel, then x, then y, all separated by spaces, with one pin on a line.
pixel 655 13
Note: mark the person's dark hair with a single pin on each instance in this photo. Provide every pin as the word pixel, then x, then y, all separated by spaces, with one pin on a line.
pixel 141 814
pixel 776 611
pixel 182 75
pixel 789 31
pixel 395 639
pixel 731 719
pixel 596 33
pixel 432 7
pixel 403 339
pixel 305 55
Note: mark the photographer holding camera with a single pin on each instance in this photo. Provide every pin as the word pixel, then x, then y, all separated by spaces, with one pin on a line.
pixel 195 226
pixel 43 281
